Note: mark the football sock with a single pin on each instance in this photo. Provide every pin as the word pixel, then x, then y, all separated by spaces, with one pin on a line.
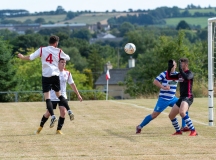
pixel 146 120
pixel 189 123
pixel 175 124
pixel 183 121
pixel 49 106
pixel 64 102
pixel 43 121
pixel 60 123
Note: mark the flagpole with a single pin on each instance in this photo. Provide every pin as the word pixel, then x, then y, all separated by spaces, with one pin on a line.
pixel 107 89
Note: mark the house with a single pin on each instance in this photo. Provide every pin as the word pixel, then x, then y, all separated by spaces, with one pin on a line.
pixel 116 75
pixel 105 37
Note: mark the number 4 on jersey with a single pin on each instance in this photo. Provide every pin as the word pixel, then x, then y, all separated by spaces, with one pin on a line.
pixel 49 58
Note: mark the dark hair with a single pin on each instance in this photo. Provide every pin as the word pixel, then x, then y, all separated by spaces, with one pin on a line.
pixel 61 59
pixel 184 60
pixel 171 61
pixel 53 39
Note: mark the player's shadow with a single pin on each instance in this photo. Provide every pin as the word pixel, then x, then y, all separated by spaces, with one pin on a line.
pixel 120 135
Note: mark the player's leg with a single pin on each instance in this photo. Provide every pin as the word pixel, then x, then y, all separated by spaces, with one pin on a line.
pixel 65 104
pixel 160 106
pixel 172 116
pixel 184 127
pixel 185 104
pixel 45 117
pixel 56 88
pixel 46 85
pixel 61 120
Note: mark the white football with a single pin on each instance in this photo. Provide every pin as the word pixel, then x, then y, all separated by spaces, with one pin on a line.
pixel 130 48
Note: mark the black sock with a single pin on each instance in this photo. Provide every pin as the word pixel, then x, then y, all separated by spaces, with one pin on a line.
pixel 49 106
pixel 43 121
pixel 64 102
pixel 60 123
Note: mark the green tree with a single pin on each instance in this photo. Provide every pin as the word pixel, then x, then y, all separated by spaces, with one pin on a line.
pixel 125 27
pixel 7 71
pixel 182 25
pixel 83 33
pixel 40 20
pixel 77 60
pixel 95 63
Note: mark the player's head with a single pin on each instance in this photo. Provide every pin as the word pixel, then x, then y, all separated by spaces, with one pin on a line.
pixel 53 40
pixel 61 64
pixel 173 62
pixel 184 63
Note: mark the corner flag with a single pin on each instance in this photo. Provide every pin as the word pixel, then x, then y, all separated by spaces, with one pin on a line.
pixel 107 78
pixel 107 75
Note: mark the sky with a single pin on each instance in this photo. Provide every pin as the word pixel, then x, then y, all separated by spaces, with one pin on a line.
pixel 99 5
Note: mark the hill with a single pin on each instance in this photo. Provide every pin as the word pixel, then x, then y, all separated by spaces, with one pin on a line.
pixel 194 17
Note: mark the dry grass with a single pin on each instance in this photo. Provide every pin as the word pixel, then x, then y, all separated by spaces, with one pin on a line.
pixel 103 130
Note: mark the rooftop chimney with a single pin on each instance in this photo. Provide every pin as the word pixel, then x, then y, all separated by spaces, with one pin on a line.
pixel 108 65
pixel 131 62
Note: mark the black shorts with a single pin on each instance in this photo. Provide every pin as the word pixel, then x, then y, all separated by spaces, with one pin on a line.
pixel 49 83
pixel 186 99
pixel 55 103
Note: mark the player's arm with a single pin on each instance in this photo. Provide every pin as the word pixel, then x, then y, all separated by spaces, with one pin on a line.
pixel 188 75
pixel 73 86
pixel 64 56
pixel 159 85
pixel 21 56
pixel 168 74
pixel 31 56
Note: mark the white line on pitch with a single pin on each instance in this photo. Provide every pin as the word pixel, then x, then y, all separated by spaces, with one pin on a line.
pixel 152 110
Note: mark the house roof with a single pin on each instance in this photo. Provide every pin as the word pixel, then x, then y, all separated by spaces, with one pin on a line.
pixel 116 75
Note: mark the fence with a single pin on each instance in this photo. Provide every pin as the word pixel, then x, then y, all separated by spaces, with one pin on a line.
pixel 28 96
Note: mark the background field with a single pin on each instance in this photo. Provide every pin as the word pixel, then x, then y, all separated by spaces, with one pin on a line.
pixel 93 18
pixel 53 18
pixel 103 130
pixel 202 21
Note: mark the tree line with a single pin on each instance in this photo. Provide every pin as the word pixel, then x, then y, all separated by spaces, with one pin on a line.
pixel 154 47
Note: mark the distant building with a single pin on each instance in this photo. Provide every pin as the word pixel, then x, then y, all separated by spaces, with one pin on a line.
pixel 117 75
pixel 105 37
pixel 21 28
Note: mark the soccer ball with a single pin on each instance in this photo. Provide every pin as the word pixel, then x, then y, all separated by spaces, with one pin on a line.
pixel 130 48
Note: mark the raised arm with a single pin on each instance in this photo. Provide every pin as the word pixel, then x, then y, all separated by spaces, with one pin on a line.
pixel 188 75
pixel 168 76
pixel 64 56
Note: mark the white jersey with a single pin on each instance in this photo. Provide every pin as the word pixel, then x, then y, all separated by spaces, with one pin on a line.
pixel 64 76
pixel 49 57
pixel 167 94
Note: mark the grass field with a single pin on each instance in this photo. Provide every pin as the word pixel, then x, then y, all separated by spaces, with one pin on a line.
pixel 53 18
pixel 91 18
pixel 103 130
pixel 203 10
pixel 202 21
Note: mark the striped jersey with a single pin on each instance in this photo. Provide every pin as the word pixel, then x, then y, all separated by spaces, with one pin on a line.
pixel 65 77
pixel 167 94
pixel 49 57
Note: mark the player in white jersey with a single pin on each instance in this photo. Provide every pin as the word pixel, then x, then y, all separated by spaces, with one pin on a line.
pixel 65 77
pixel 166 97
pixel 50 57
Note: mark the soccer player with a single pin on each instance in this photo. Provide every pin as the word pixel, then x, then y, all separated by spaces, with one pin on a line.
pixel 50 57
pixel 65 77
pixel 185 78
pixel 166 97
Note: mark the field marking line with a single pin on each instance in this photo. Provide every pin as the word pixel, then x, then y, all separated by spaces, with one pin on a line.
pixel 146 108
